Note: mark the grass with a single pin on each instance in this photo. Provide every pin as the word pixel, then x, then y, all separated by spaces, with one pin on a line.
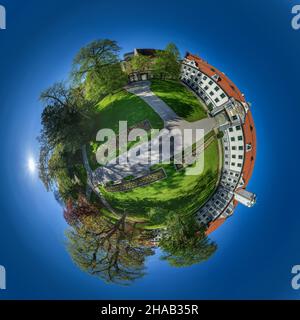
pixel 180 99
pixel 177 194
pixel 126 106
pixel 117 107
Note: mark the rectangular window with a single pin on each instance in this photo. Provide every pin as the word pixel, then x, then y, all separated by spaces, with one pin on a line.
pixel 217 88
pixel 240 138
pixel 233 156
pixel 211 93
pixel 233 164
pixel 241 157
pixel 232 139
pixel 238 128
pixel 222 95
pixel 206 88
pixel 239 164
pixel 233 148
pixel 241 148
pixel 204 77
pixel 230 129
pixel 217 100
pixel 210 82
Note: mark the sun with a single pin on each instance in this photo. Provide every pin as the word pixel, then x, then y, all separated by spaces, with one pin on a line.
pixel 31 165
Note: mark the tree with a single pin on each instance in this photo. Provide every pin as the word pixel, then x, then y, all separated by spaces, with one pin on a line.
pixel 166 63
pixel 172 49
pixel 113 251
pixel 110 79
pixel 141 63
pixel 74 212
pixel 65 116
pixel 184 244
pixel 67 121
pixel 98 66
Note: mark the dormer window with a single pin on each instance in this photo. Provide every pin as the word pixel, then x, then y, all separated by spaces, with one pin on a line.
pixel 216 77
pixel 248 147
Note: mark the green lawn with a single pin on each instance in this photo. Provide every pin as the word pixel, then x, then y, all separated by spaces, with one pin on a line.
pixel 117 107
pixel 180 99
pixel 126 106
pixel 177 194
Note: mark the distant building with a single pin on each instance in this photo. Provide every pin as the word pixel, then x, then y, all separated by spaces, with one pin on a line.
pixel 139 75
pixel 227 104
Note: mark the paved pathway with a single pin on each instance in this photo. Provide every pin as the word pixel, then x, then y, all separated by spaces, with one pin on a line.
pixel 91 180
pixel 117 170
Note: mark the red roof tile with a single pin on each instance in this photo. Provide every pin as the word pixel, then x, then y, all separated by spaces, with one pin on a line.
pixel 224 82
pixel 214 225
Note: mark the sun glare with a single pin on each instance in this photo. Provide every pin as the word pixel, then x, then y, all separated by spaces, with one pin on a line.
pixel 31 165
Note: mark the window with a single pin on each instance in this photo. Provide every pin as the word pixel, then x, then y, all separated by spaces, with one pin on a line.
pixel 222 95
pixel 233 148
pixel 196 79
pixel 204 77
pixel 239 164
pixel 217 100
pixel 230 129
pixel 232 139
pixel 233 156
pixel 211 93
pixel 238 128
pixel 241 157
pixel 217 88
pixel 234 117
pixel 210 82
pixel 226 162
pixel 240 138
pixel 226 148
pixel 233 164
pixel 241 148
pixel 206 88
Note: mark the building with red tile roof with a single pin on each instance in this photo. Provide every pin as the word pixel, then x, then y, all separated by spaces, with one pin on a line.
pixel 225 102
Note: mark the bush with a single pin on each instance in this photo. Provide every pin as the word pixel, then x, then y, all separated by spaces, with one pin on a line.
pixel 220 134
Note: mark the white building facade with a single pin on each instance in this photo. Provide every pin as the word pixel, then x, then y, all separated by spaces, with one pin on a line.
pixel 224 101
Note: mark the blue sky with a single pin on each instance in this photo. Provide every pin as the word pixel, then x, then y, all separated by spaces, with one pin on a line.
pixel 253 43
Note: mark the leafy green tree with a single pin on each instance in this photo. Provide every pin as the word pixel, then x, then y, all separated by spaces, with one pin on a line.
pixel 98 66
pixel 66 120
pixel 172 49
pixel 113 251
pixel 166 64
pixel 65 115
pixel 141 63
pixel 184 244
